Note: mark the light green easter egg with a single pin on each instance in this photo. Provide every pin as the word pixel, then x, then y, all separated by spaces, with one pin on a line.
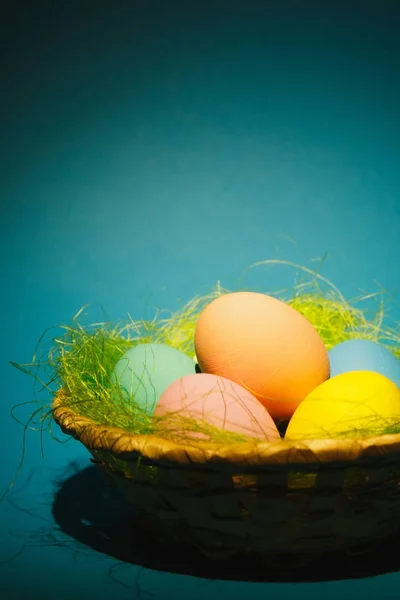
pixel 147 370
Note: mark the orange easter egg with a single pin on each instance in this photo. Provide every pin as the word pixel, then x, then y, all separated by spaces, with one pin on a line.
pixel 264 345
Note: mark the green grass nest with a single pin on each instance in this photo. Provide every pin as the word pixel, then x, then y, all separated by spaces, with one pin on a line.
pixel 83 357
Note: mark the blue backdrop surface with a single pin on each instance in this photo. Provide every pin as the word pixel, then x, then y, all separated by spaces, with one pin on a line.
pixel 148 150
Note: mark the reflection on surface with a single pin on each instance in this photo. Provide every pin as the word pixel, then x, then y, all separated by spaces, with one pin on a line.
pixel 87 509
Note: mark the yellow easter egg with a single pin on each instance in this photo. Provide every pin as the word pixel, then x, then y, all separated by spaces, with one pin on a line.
pixel 349 405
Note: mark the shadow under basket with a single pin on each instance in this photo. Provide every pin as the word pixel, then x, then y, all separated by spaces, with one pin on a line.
pixel 265 498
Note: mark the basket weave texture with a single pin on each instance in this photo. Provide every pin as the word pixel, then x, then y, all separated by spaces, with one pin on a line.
pixel 284 497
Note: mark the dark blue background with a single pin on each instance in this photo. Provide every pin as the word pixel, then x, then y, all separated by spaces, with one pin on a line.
pixel 150 148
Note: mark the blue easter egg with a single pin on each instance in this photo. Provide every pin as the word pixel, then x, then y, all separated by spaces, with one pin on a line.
pixel 147 370
pixel 364 355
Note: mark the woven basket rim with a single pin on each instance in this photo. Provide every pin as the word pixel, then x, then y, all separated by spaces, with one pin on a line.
pixel 155 449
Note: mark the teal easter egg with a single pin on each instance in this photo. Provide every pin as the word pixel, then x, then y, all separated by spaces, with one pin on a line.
pixel 364 355
pixel 147 370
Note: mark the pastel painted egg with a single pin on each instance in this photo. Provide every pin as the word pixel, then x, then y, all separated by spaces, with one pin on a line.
pixel 353 404
pixel 147 370
pixel 218 402
pixel 264 345
pixel 364 355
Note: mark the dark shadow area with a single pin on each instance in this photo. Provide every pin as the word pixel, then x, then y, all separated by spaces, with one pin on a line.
pixel 91 512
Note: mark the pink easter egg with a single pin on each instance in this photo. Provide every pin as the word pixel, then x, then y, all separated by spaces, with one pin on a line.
pixel 218 402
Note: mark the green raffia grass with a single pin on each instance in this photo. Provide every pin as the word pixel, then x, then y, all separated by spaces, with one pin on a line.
pixel 83 357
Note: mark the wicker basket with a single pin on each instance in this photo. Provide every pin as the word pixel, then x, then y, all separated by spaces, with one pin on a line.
pixel 227 500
